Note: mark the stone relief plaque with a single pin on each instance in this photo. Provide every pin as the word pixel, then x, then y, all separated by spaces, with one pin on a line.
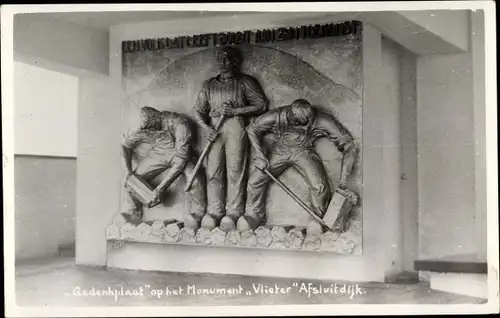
pixel 250 145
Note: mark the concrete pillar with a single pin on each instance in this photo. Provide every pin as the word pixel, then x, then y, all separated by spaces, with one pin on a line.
pixel 409 161
pixel 381 215
pixel 98 168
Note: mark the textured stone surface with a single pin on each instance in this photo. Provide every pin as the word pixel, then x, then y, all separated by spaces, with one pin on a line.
pixel 295 238
pixel 248 239
pixel 187 235
pixel 356 228
pixel 276 237
pixel 112 232
pixel 143 232
pixel 158 229
pixel 173 232
pixel 264 237
pixel 233 238
pixel 312 242
pixel 119 220
pixel 328 240
pixel 278 233
pixel 203 236
pixel 217 237
pixel 345 243
pixel 128 231
pixel 173 228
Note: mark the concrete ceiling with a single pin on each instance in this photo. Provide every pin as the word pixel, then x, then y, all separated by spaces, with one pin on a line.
pixel 104 20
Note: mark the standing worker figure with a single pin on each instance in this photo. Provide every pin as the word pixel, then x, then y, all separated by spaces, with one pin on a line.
pixel 233 96
pixel 297 127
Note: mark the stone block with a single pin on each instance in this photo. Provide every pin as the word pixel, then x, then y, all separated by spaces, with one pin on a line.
pixel 158 229
pixel 278 233
pixel 218 237
pixel 264 237
pixel 188 235
pixel 203 236
pixel 295 238
pixel 128 232
pixel 312 243
pixel 233 238
pixel 173 232
pixel 248 239
pixel 328 241
pixel 143 232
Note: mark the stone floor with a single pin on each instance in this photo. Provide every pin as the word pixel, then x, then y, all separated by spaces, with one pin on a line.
pixel 54 282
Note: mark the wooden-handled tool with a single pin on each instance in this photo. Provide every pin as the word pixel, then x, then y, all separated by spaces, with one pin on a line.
pixel 296 199
pixel 202 157
pixel 342 201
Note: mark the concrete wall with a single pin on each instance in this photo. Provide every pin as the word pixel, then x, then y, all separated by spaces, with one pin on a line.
pixel 446 155
pixel 45 161
pixel 451 149
pixel 45 112
pixel 45 199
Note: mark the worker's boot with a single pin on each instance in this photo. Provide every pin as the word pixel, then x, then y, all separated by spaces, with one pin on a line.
pixel 248 222
pixel 228 223
pixel 209 221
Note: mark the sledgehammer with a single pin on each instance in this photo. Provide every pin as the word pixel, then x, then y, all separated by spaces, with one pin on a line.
pixel 340 198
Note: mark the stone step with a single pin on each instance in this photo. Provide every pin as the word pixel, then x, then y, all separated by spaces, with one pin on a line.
pixel 460 263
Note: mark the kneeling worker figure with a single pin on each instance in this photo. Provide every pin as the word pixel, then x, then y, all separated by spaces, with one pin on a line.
pixel 296 127
pixel 170 154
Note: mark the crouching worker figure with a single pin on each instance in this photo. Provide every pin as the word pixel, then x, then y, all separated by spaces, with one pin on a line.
pixel 295 128
pixel 168 138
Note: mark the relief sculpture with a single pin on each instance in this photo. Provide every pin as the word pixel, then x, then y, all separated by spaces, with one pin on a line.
pixel 170 155
pixel 296 127
pixel 263 139
pixel 229 99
